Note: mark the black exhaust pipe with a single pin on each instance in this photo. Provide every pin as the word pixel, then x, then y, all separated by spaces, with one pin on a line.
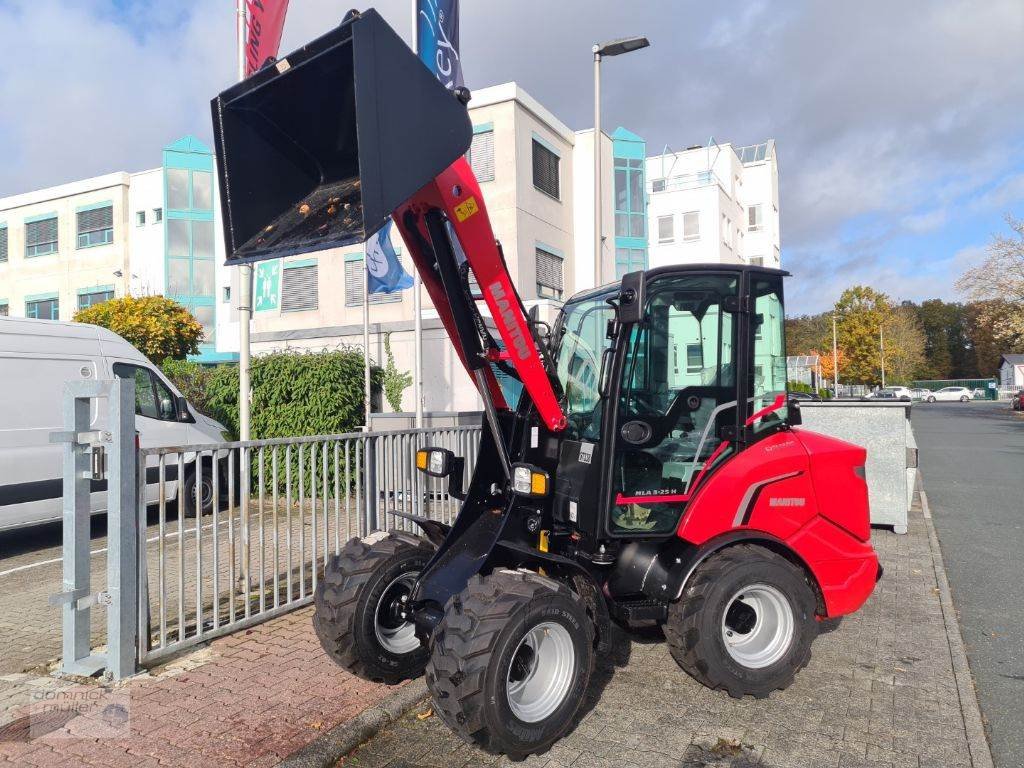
pixel 316 150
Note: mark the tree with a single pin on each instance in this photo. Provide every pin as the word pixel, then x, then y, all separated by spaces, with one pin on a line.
pixel 807 333
pixel 864 315
pixel 158 327
pixel 904 346
pixel 999 282
pixel 987 343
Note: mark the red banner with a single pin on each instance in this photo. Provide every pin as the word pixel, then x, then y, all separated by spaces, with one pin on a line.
pixel 266 20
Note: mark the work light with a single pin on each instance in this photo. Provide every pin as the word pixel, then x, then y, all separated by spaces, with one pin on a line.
pixel 527 480
pixel 436 462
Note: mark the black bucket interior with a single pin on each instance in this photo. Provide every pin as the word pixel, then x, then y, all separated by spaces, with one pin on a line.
pixel 316 151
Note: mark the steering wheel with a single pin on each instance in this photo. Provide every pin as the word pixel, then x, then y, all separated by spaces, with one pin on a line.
pixel 648 429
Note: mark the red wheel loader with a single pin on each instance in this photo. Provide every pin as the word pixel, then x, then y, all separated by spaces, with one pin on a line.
pixel 652 471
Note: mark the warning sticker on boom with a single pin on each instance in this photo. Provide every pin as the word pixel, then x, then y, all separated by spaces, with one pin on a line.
pixel 466 209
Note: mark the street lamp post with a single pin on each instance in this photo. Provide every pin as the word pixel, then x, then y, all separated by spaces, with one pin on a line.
pixel 835 356
pixel 613 48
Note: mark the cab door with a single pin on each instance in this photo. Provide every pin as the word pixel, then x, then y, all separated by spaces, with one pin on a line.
pixel 677 399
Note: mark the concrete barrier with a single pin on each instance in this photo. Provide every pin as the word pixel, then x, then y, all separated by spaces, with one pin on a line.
pixel 884 430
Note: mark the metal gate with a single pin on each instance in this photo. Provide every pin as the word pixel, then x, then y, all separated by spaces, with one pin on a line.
pixel 237 533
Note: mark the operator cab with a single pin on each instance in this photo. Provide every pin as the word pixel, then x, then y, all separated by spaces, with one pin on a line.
pixel 676 381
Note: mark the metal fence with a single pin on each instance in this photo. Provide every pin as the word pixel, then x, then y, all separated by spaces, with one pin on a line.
pixel 246 534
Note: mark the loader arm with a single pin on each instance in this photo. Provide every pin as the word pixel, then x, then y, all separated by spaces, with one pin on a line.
pixel 452 204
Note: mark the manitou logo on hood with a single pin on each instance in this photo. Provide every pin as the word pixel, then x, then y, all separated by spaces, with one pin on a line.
pixel 508 316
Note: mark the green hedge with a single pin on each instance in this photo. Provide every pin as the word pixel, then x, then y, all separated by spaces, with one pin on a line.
pixel 293 393
pixel 799 386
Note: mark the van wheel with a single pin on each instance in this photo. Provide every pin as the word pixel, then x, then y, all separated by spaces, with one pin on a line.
pixel 745 622
pixel 187 501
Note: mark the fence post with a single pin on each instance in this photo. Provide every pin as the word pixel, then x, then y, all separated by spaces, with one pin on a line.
pixel 370 484
pixel 122 533
pixel 86 460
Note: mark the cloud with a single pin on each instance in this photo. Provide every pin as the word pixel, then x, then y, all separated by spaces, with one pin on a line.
pixel 890 118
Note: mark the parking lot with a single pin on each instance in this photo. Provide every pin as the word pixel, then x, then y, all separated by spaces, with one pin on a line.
pixel 972 462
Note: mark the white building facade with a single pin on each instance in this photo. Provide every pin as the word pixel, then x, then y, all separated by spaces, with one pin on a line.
pixel 715 203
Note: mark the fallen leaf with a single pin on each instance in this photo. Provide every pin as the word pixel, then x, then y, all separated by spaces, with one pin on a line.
pixel 425 715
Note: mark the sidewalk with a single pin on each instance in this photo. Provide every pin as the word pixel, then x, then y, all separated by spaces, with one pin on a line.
pixel 888 687
pixel 249 699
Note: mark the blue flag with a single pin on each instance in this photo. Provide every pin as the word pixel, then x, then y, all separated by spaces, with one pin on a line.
pixel 384 273
pixel 437 39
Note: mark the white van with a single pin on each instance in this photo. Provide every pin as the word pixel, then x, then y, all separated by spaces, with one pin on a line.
pixel 37 357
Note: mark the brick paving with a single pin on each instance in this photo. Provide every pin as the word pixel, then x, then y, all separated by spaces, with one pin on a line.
pixel 880 691
pixel 248 699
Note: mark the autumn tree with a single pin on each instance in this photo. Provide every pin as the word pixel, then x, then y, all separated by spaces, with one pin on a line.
pixel 904 344
pixel 807 333
pixel 997 284
pixel 158 327
pixel 864 316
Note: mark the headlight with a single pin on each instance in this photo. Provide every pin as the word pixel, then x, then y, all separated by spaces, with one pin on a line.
pixel 528 480
pixel 436 462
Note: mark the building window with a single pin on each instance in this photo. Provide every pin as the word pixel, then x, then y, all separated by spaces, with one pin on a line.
pixel 754 218
pixel 694 358
pixel 177 189
pixel 3 242
pixel 140 218
pixel 549 275
pixel 202 190
pixel 95 226
pixel 86 300
pixel 206 314
pixel 158 215
pixel 226 294
pixel 43 309
pixel 691 225
pixel 4 309
pixel 41 237
pixel 355 285
pixel 629 260
pixel 665 234
pixel 545 170
pixel 299 288
pixel 630 203
pixel 726 230
pixel 658 185
pixel 757 261
pixel 481 155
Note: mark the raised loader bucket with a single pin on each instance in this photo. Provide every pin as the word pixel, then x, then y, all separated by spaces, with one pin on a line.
pixel 316 150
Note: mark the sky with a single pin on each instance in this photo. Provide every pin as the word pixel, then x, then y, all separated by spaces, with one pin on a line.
pixel 899 125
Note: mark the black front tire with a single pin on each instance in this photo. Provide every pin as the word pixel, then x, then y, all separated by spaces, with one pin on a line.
pixel 478 641
pixel 347 600
pixel 697 621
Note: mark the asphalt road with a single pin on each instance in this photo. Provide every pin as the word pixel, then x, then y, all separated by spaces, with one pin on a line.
pixel 972 464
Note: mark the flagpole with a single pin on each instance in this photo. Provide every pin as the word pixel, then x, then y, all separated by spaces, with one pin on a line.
pixel 245 286
pixel 417 301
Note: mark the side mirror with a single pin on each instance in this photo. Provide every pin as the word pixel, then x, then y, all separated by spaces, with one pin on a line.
pixel 632 297
pixel 182 410
pixel 794 418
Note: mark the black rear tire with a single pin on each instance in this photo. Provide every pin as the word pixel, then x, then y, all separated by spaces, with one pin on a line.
pixel 477 655
pixel 187 500
pixel 699 621
pixel 355 586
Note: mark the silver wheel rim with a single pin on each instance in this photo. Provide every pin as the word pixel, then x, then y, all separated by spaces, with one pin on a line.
pixel 396 639
pixel 541 671
pixel 757 626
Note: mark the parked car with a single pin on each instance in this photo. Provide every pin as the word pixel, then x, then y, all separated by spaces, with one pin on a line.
pixel 37 357
pixel 919 393
pixel 950 394
pixel 890 393
pixel 808 396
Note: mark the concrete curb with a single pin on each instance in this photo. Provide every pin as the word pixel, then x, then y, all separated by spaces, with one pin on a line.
pixel 326 750
pixel 981 754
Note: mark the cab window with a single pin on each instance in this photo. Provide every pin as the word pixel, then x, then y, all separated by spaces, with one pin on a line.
pixel 583 343
pixel 153 399
pixel 678 389
pixel 769 352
